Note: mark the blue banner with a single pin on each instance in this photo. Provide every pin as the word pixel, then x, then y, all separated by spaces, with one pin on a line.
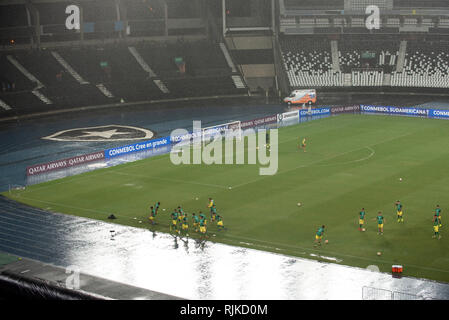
pixel 395 110
pixel 314 112
pixel 439 113
pixel 431 113
pixel 140 146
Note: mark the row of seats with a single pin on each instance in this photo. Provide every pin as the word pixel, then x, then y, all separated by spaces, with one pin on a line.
pixel 414 80
pixel 326 79
pixel 367 78
pixel 116 69
pixel 308 62
pixel 351 54
pixel 426 65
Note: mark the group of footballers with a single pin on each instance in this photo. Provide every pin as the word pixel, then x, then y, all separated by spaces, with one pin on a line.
pixel 400 218
pixel 180 222
pixel 380 222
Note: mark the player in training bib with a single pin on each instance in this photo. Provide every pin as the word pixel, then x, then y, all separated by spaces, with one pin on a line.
pixel 211 203
pixel 220 222
pixel 203 217
pixel 185 223
pixel 196 221
pixel 399 211
pixel 180 214
pixel 213 213
pixel 157 205
pixel 302 144
pixel 152 215
pixel 361 219
pixel 319 235
pixel 438 215
pixel 174 220
pixel 203 229
pixel 436 229
pixel 380 223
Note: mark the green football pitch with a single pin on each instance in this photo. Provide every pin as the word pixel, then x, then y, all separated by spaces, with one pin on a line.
pixel 352 161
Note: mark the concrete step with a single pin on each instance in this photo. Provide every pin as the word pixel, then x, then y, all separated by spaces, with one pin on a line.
pixel 68 68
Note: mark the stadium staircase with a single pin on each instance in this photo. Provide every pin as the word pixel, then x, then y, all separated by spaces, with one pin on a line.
pixel 32 78
pixel 386 82
pixel 236 78
pixel 347 80
pixel 401 57
pixel 159 83
pixel 68 68
pixel 4 105
pixel 253 56
pixel 335 56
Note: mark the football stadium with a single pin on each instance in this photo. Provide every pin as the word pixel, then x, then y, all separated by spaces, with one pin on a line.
pixel 259 149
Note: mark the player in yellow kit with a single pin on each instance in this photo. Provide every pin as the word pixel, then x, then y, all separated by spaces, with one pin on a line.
pixel 303 144
pixel 399 211
pixel 436 228
pixel 152 215
pixel 220 224
pixel 211 203
pixel 362 219
pixel 185 223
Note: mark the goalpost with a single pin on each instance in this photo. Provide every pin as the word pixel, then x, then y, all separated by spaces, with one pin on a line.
pixel 15 187
pixel 231 129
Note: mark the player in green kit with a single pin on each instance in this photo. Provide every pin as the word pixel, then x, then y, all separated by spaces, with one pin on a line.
pixel 174 220
pixel 362 219
pixel 220 223
pixel 380 223
pixel 181 214
pixel 302 144
pixel 203 227
pixel 157 205
pixel 185 224
pixel 213 213
pixel 438 215
pixel 203 217
pixel 196 221
pixel 152 215
pixel 399 211
pixel 436 229
pixel 319 235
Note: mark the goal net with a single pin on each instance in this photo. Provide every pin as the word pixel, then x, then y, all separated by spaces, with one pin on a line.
pixel 230 129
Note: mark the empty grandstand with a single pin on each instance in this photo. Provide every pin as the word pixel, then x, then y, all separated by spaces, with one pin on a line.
pixel 377 62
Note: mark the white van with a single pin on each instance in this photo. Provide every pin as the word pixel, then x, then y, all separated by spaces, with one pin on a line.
pixel 302 96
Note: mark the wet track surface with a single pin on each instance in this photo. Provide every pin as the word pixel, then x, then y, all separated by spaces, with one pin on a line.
pixel 139 257
pixel 189 268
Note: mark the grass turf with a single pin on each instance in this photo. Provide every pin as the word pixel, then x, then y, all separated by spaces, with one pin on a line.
pixel 6 258
pixel 352 161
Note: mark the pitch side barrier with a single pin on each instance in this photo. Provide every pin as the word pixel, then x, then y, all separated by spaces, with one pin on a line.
pixel 165 141
pixel 421 112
